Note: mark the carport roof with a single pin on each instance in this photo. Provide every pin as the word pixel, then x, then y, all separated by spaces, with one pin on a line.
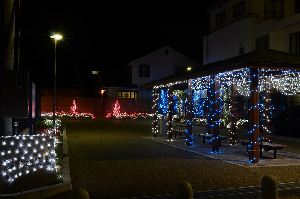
pixel 265 58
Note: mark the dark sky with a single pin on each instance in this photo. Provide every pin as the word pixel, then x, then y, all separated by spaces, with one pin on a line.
pixel 104 37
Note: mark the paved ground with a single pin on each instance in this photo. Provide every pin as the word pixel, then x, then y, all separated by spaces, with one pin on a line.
pixel 119 159
pixel 236 154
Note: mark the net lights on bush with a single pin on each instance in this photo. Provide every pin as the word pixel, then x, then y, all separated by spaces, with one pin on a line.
pixel 21 155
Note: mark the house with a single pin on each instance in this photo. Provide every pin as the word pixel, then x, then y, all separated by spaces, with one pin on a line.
pixel 242 26
pixel 156 65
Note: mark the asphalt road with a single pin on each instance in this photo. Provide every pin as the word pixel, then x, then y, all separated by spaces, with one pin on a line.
pixel 111 159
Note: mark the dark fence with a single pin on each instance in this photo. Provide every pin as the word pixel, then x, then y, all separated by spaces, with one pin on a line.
pixel 97 106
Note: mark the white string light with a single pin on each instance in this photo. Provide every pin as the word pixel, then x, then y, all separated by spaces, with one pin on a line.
pixel 20 156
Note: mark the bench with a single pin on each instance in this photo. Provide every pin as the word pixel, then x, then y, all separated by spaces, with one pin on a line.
pixel 266 145
pixel 271 146
pixel 265 138
pixel 245 142
pixel 179 128
pixel 210 136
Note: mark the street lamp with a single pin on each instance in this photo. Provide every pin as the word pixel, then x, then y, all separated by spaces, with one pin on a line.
pixel 55 37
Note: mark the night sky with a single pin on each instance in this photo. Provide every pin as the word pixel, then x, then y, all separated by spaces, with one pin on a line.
pixel 104 37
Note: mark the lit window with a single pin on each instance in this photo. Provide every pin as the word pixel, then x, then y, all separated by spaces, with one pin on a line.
pixel 95 72
pixel 119 94
pixel 127 94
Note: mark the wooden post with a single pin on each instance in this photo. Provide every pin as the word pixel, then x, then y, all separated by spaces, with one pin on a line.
pixel 189 134
pixel 254 116
pixel 208 111
pixel 170 111
pixel 155 111
pixel 233 116
pixel 216 113
pixel 266 110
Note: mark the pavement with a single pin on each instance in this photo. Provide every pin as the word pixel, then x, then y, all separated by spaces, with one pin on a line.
pixel 119 148
pixel 233 154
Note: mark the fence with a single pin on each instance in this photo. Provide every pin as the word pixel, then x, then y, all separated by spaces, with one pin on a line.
pixel 97 106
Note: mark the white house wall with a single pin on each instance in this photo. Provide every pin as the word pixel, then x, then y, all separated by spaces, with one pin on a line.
pixel 226 42
pixel 161 65
pixel 263 28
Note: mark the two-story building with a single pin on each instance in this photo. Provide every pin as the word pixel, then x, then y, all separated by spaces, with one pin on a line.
pixel 242 26
pixel 156 65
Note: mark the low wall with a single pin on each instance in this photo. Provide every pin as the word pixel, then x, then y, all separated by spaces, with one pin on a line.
pixel 97 106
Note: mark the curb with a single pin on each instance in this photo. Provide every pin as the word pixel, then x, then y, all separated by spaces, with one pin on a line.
pixel 51 190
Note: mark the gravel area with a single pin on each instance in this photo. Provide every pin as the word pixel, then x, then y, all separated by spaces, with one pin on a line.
pixel 111 159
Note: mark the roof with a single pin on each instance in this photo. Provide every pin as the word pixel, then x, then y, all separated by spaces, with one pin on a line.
pixel 163 48
pixel 265 58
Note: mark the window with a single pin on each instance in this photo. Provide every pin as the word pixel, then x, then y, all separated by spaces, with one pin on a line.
pixel 127 94
pixel 221 18
pixel 262 42
pixel 144 71
pixel 239 9
pixel 166 52
pixel 274 9
pixel 295 43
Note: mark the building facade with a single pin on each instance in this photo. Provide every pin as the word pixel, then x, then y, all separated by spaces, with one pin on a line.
pixel 156 65
pixel 242 26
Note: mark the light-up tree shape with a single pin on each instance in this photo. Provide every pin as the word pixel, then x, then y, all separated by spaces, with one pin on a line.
pixel 74 108
pixel 116 111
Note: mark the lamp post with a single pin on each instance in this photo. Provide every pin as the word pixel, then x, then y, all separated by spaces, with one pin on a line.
pixel 55 37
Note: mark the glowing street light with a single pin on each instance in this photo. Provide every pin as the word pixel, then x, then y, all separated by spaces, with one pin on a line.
pixel 55 37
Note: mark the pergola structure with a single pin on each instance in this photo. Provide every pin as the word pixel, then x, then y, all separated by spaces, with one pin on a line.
pixel 246 75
